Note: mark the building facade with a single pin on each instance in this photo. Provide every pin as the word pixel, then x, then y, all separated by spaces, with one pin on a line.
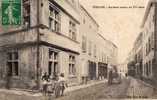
pixel 145 47
pixel 149 41
pixel 122 69
pixel 88 31
pixel 138 47
pixel 97 53
pixel 131 62
pixel 46 42
pixel 56 36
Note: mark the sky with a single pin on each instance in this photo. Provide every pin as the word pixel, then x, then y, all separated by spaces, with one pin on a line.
pixel 119 25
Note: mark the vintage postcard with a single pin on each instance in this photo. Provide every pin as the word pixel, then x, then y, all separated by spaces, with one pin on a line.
pixel 78 49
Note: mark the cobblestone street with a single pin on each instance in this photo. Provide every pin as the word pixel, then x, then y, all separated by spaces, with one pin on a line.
pixel 129 88
pixel 139 89
pixel 99 92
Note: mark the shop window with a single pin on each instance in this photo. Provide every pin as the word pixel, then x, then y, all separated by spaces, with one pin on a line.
pixel 13 63
pixel 72 65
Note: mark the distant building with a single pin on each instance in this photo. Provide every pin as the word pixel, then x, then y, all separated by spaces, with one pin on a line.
pixel 97 53
pixel 122 69
pixel 138 48
pixel 131 62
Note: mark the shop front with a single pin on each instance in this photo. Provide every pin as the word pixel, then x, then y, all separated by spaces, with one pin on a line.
pixel 102 70
pixel 92 70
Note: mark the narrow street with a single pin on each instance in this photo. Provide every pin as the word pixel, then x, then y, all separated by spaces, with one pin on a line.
pixel 138 89
pixel 129 88
pixel 99 92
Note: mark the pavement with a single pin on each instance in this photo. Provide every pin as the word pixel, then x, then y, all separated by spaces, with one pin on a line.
pixel 101 91
pixel 15 94
pixel 139 89
pixel 129 88
pixel 92 83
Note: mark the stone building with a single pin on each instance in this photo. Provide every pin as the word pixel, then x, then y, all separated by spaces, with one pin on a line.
pixel 97 53
pixel 88 33
pixel 130 60
pixel 54 38
pixel 46 42
pixel 150 42
pixel 122 69
pixel 138 58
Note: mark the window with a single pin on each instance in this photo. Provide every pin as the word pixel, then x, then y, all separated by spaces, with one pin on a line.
pixel 90 48
pixel 53 62
pixel 26 13
pixel 95 50
pixel 149 45
pixel 72 61
pixel 84 21
pixel 152 41
pixel 90 26
pixel 13 63
pixel 147 69
pixel 84 44
pixel 149 64
pixel 72 30
pixel 54 19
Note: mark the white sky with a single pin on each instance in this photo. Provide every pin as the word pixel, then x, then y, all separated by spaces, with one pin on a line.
pixel 120 25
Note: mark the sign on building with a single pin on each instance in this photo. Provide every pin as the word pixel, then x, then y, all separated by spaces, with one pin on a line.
pixel 11 12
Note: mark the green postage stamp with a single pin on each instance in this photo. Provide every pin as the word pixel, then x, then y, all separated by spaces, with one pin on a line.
pixel 11 12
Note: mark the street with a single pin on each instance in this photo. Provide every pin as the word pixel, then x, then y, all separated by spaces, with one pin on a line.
pixel 129 88
pixel 99 92
pixel 138 90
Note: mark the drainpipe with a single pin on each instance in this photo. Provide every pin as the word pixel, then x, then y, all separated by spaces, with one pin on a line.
pixel 155 36
pixel 38 52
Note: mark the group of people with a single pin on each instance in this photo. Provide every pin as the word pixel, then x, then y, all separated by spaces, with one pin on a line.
pixel 53 84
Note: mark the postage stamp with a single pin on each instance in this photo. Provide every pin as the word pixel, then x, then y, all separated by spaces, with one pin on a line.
pixel 11 12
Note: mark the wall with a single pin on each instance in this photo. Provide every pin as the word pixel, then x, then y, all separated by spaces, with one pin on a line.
pixel 148 31
pixel 27 67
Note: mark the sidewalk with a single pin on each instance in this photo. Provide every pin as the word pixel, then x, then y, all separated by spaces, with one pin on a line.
pixel 139 89
pixel 25 95
pixel 74 88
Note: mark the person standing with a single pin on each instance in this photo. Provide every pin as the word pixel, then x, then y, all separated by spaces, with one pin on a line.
pixel 44 79
pixel 62 83
pixel 57 87
pixel 110 77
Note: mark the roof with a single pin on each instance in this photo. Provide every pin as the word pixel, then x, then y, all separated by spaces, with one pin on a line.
pixel 89 15
pixel 107 40
pixel 147 11
pixel 139 37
